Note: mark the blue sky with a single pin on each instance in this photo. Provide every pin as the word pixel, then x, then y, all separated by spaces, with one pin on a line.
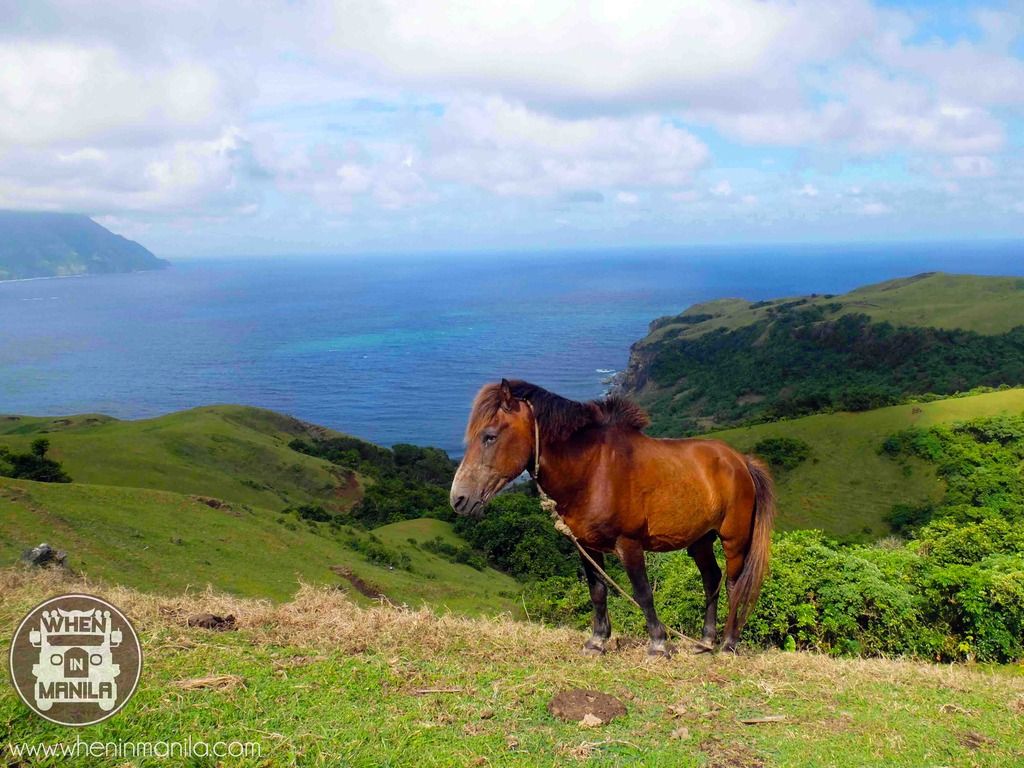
pixel 416 125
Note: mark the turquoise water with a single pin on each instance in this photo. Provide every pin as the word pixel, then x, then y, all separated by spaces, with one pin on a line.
pixel 391 349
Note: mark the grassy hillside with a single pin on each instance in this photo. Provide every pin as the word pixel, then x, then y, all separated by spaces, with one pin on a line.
pixel 322 681
pixel 230 452
pixel 846 486
pixel 986 305
pixel 169 542
pixel 199 497
pixel 725 362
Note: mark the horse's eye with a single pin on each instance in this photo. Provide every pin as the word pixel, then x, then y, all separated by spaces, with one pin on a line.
pixel 489 439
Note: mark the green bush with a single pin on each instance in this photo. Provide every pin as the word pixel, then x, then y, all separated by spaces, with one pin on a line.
pixel 517 537
pixel 34 465
pixel 408 481
pixel 316 514
pixel 783 453
pixel 376 551
pixel 455 553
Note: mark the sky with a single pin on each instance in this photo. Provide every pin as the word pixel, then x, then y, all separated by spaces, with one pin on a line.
pixel 237 128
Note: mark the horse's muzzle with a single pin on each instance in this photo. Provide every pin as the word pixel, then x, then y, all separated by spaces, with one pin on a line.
pixel 464 505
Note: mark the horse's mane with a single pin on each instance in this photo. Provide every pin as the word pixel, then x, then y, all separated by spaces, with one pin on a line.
pixel 559 417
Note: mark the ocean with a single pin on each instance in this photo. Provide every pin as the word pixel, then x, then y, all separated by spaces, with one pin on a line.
pixel 392 348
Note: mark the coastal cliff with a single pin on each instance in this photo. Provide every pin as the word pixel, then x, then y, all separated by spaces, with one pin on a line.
pixel 732 361
pixel 39 244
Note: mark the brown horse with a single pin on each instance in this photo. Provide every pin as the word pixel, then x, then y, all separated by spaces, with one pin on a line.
pixel 623 492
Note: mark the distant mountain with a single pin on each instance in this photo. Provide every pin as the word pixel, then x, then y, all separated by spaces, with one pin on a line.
pixel 36 244
pixel 731 361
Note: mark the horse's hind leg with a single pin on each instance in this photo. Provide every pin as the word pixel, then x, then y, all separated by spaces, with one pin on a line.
pixel 703 553
pixel 632 555
pixel 735 557
pixel 599 597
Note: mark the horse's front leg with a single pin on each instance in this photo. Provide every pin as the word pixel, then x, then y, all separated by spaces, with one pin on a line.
pixel 632 555
pixel 599 597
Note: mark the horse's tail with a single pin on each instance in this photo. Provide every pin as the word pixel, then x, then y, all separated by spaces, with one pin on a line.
pixel 745 590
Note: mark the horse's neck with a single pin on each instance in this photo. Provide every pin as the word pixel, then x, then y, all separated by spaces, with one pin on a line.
pixel 565 469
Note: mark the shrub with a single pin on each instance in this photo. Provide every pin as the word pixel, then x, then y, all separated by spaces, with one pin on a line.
pixel 456 553
pixel 782 453
pixel 376 551
pixel 34 465
pixel 316 514
pixel 517 537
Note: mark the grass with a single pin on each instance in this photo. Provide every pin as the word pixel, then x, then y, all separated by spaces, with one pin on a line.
pixel 321 681
pixel 987 305
pixel 847 487
pixel 231 452
pixel 139 512
pixel 169 542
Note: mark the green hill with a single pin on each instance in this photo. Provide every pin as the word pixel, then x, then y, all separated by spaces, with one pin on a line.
pixel 230 452
pixel 209 496
pixel 729 361
pixel 847 486
pixel 40 244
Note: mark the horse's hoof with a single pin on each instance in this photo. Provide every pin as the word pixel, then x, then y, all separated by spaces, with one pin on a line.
pixel 704 646
pixel 594 647
pixel 728 647
pixel 661 650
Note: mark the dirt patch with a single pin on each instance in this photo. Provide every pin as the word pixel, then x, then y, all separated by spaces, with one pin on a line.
pixel 348 485
pixel 729 754
pixel 212 621
pixel 218 504
pixel 578 705
pixel 975 740
pixel 363 587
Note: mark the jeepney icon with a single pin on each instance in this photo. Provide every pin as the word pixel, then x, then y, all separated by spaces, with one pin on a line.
pixel 76 663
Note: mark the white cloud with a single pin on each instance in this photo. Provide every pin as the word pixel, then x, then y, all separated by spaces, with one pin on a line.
pixel 972 166
pixel 353 179
pixel 338 177
pixel 510 149
pixel 874 208
pixel 974 72
pixel 181 176
pixel 868 112
pixel 595 55
pixel 685 196
pixel 54 93
pixel 363 111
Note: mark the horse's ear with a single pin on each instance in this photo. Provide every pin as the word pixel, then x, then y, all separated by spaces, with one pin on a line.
pixel 508 401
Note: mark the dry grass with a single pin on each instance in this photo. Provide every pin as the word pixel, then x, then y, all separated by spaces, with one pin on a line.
pixel 211 683
pixel 326 619
pixel 469 682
